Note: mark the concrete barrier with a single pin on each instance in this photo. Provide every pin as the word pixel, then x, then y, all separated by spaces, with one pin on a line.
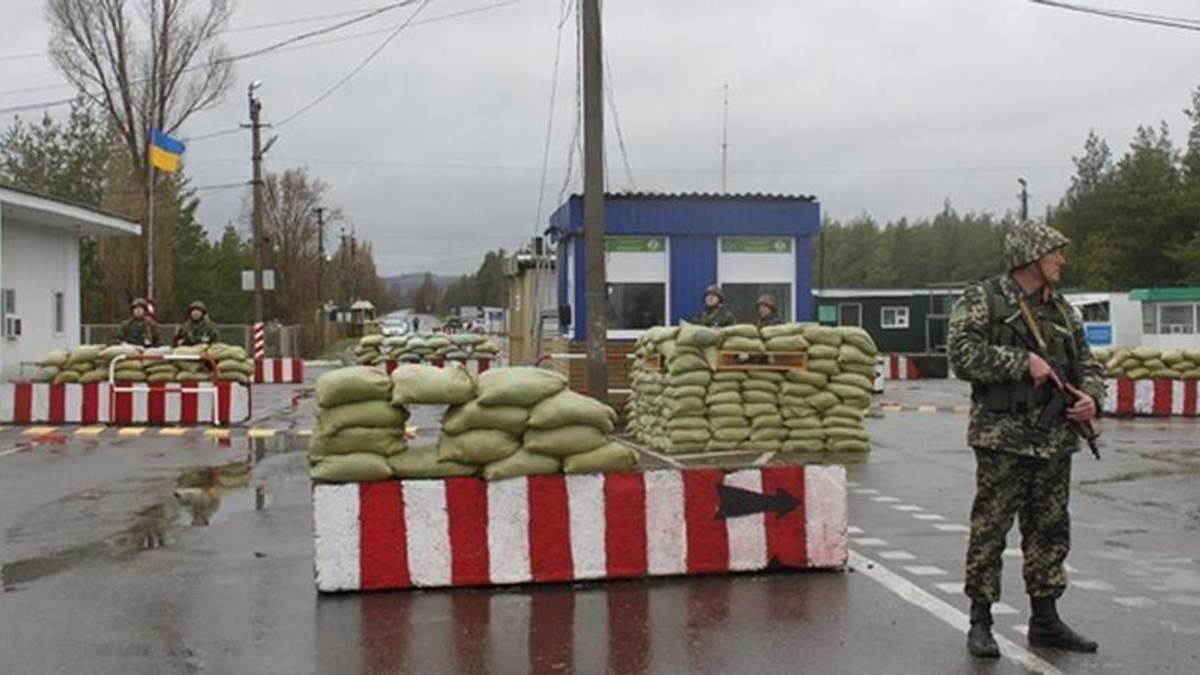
pixel 278 371
pixel 538 529
pixel 98 403
pixel 1153 398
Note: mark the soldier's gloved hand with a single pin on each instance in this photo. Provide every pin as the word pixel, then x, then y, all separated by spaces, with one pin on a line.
pixel 1084 409
pixel 1041 371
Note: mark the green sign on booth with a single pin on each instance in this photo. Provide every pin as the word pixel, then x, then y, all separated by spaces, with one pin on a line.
pixel 756 245
pixel 623 244
pixel 827 314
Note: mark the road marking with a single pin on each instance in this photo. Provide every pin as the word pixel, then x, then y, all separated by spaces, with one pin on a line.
pixel 962 409
pixel 849 483
pixel 907 508
pixel 1004 608
pixel 925 571
pixel 1137 601
pixel 866 491
pixel 884 500
pixel 304 432
pixel 948 527
pixel 854 530
pixel 90 431
pixel 891 408
pixel 870 541
pixel 131 431
pixel 927 409
pixel 944 611
pixel 173 431
pixel 951 587
pixel 216 433
pixel 11 451
pixel 897 555
pixel 38 431
pixel 1013 553
pixel 1093 585
pixel 1070 569
pixel 261 433
pixel 928 516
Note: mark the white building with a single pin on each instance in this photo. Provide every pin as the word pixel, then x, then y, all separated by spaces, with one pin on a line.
pixel 39 272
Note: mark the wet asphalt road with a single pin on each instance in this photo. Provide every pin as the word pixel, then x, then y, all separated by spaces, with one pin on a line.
pixel 152 554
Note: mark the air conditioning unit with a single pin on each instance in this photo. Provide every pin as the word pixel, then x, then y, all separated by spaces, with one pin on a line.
pixel 1176 329
pixel 12 326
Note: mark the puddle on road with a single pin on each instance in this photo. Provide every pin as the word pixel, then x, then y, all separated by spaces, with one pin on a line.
pixel 203 496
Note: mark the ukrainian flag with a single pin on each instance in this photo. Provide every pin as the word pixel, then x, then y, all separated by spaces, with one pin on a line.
pixel 164 151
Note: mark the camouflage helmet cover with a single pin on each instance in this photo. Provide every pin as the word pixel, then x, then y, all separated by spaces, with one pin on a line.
pixel 715 289
pixel 197 304
pixel 139 302
pixel 768 300
pixel 1029 241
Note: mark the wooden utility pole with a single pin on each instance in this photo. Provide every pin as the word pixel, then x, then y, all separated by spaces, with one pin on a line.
pixel 321 256
pixel 593 201
pixel 725 142
pixel 256 216
pixel 1024 199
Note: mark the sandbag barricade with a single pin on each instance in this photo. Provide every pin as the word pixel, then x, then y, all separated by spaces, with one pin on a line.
pixel 555 528
pixel 279 371
pixel 1152 398
pixel 97 403
pixel 473 366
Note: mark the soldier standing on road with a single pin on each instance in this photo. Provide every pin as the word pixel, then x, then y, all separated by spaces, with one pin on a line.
pixel 199 329
pixel 1022 470
pixel 767 311
pixel 139 329
pixel 715 314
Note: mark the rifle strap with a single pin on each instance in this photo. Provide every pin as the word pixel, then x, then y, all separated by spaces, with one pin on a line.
pixel 1027 315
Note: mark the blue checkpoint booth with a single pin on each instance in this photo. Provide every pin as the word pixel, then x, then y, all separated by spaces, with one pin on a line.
pixel 663 250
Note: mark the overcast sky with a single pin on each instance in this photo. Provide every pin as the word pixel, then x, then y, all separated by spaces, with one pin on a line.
pixel 434 151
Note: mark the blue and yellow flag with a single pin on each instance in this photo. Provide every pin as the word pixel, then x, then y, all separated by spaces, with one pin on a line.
pixel 164 151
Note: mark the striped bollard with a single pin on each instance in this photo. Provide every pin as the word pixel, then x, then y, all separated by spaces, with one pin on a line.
pixel 260 340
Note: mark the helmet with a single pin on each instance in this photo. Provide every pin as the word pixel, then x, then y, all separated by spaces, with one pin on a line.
pixel 140 302
pixel 198 305
pixel 1029 241
pixel 768 300
pixel 715 289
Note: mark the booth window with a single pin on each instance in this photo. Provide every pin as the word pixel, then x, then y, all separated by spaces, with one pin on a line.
pixel 60 313
pixel 742 299
pixel 894 317
pixel 636 306
pixel 850 314
pixel 1177 319
pixel 637 269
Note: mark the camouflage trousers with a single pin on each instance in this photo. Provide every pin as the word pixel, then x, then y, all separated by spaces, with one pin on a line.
pixel 1034 490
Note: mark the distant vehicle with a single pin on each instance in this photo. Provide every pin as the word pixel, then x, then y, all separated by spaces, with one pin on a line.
pixel 393 326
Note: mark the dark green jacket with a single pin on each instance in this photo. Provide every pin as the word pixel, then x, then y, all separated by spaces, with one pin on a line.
pixel 139 332
pixel 192 333
pixel 715 317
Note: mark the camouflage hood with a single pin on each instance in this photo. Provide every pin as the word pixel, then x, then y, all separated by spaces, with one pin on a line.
pixel 1029 241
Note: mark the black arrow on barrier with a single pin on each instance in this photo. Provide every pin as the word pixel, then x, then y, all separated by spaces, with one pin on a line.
pixel 738 502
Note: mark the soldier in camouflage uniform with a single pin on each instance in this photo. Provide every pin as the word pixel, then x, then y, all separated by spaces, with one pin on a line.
pixel 768 311
pixel 715 314
pixel 1005 333
pixel 199 329
pixel 139 329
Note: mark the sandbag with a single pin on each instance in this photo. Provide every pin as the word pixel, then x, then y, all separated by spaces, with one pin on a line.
pixel 372 414
pixel 823 335
pixel 423 462
pixel 696 378
pixel 689 436
pixel 153 378
pixel 1193 374
pixel 854 380
pixel 848 353
pixel 1145 353
pixel 859 338
pixel 759 397
pixel 686 392
pixel 782 330
pixel 358 439
pixel 843 433
pixel 1171 357
pixel 852 412
pixel 789 343
pixel 352 385
pixel 430 385
pixel 730 376
pixel 825 366
pixel 760 409
pixel 185 376
pixel 723 397
pixel 67 377
pixel 690 422
pixel 1165 374
pixel 722 446
pixel 800 390
pixel 727 410
pixel 359 467
pixel 222 352
pixel 231 365
pixel 696 336
pixel 84 354
pixel 824 400
pixel 758 385
pixel 56 357
pixel 768 434
pixel 521 463
pixel 825 352
pixel 742 330
pixel 522 386
pixel 113 351
pixel 685 406
pixel 724 387
pixel 730 422
pixel 482 446
pixel 129 376
pixel 866 371
pixel 743 344
pixel 732 434
pixel 567 407
pixel 472 416
pixel 796 445
pixel 809 377
pixel 686 363
pixel 807 434
pixel 766 422
pixel 766 376
pixel 564 441
pixel 799 423
pixel 849 445
pixel 830 421
pixel 798 411
pixel 371 340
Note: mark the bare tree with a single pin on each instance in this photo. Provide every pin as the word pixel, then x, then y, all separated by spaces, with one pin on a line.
pixel 291 230
pixel 153 65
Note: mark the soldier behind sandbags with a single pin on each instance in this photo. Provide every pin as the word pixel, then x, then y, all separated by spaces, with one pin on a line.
pixel 767 311
pixel 139 330
pixel 1005 333
pixel 199 329
pixel 715 314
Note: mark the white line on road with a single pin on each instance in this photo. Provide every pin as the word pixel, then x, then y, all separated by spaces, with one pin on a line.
pixel 870 541
pixel 10 451
pixel 897 555
pixel 1135 601
pixel 928 516
pixel 907 508
pixel 854 530
pixel 917 596
pixel 948 527
pixel 884 500
pixel 1093 585
pixel 866 491
pixel 925 571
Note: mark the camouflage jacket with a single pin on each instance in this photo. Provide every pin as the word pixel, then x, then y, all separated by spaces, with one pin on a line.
pixel 715 317
pixel 975 358
pixel 139 332
pixel 192 333
pixel 773 320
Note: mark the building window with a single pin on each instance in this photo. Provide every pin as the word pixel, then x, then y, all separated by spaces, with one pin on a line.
pixel 742 299
pixel 1149 319
pixel 894 317
pixel 636 306
pixel 850 314
pixel 1177 319
pixel 9 301
pixel 60 313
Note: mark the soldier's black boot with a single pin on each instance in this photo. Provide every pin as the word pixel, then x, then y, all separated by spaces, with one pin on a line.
pixel 1047 630
pixel 979 638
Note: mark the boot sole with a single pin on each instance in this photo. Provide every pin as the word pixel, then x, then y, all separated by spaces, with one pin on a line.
pixel 1054 644
pixel 984 655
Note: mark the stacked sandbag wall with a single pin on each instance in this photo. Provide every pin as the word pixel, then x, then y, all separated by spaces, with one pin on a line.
pixel 691 404
pixel 379 350
pixel 1144 363
pixel 91 363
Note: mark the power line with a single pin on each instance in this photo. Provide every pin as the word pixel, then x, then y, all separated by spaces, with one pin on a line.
pixel 550 116
pixel 357 69
pixel 220 61
pixel 1126 15
pixel 575 135
pixel 612 105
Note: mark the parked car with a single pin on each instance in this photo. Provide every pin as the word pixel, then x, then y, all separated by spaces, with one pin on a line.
pixel 395 326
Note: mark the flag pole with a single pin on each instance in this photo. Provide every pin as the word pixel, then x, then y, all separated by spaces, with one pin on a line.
pixel 150 228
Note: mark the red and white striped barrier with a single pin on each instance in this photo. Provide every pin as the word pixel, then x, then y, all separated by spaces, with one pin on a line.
pixel 97 403
pixel 900 367
pixel 1154 398
pixel 278 371
pixel 556 528
pixel 474 366
pixel 260 341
